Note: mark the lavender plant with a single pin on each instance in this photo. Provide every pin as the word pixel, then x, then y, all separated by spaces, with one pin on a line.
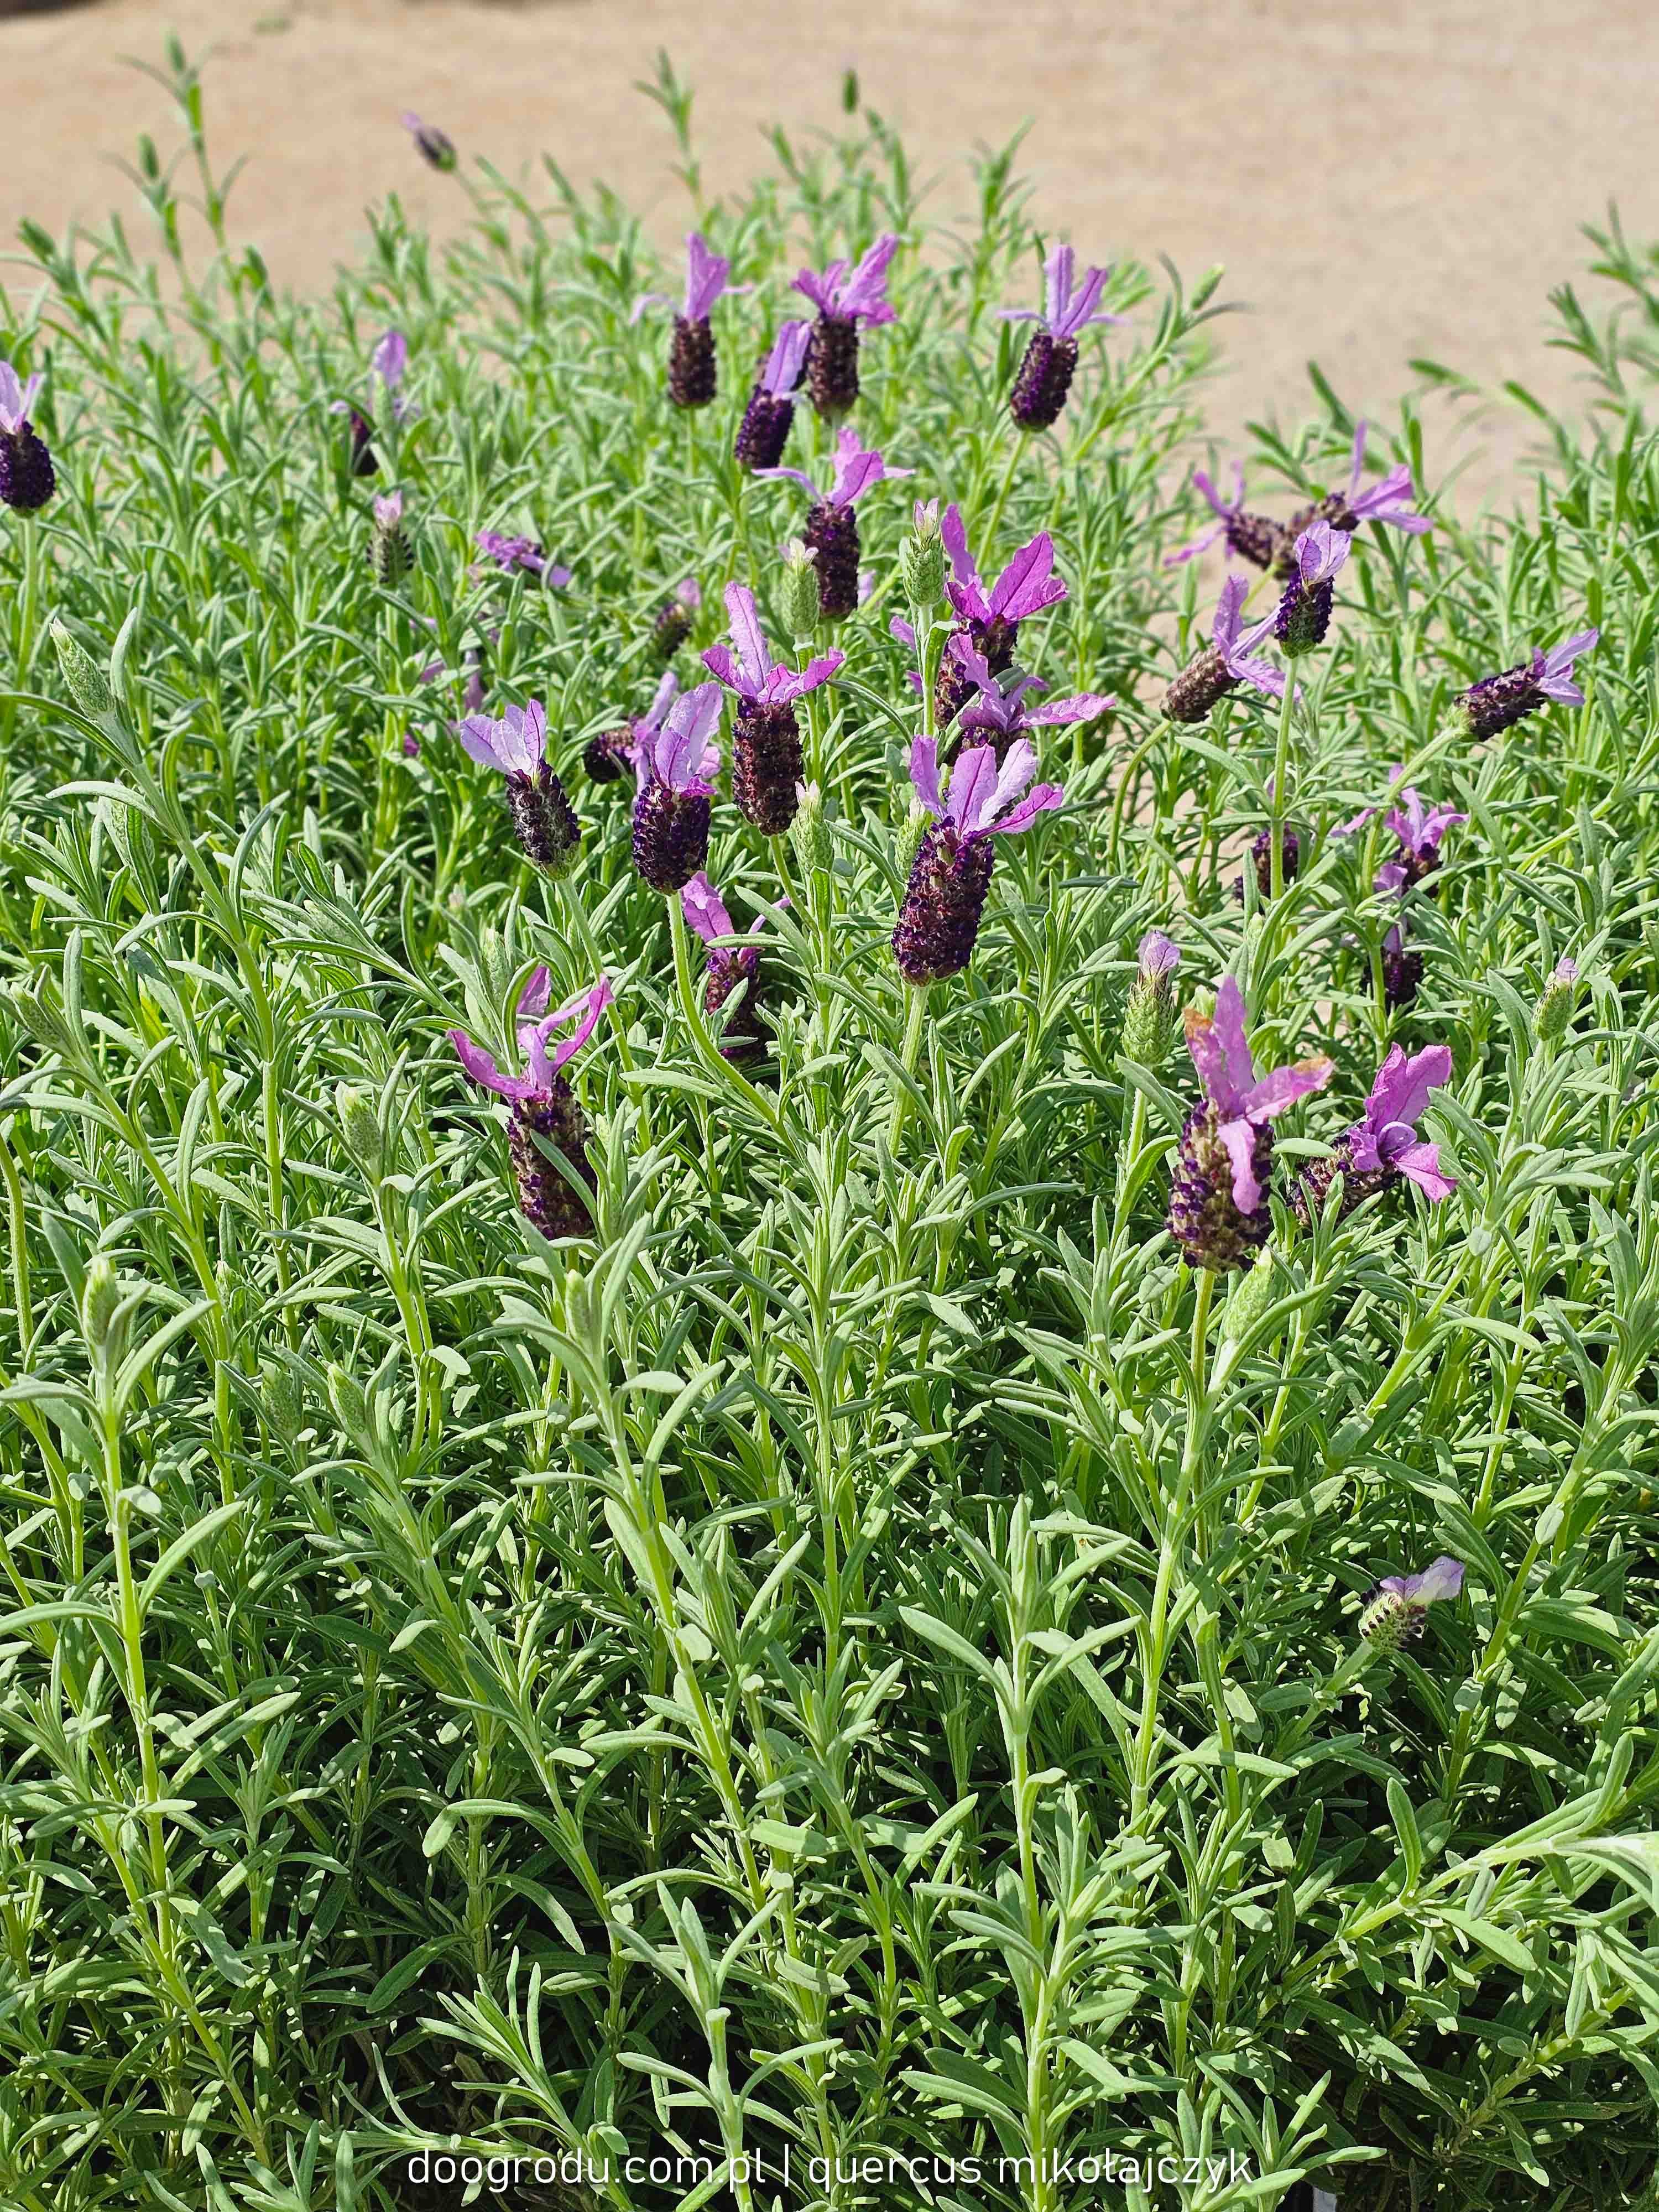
pixel 762 1615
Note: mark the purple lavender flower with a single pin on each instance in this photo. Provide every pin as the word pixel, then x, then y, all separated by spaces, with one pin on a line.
pixel 1261 861
pixel 726 968
pixel 1383 1149
pixel 765 429
pixel 1395 1610
pixel 388 544
pixel 27 479
pixel 519 556
pixel 999 712
pixel 1219 1211
pixel 1419 830
pixel 1497 702
pixel 676 763
pixel 844 299
pixel 1045 374
pixel 671 623
pixel 1403 970
pixel 692 379
pixel 945 900
pixel 831 530
pixel 1257 538
pixel 614 753
pixel 1225 665
pixel 1266 544
pixel 411 746
pixel 1304 614
pixel 546 1116
pixel 431 143
pixel 388 360
pixel 766 756
pixel 988 620
pixel 544 821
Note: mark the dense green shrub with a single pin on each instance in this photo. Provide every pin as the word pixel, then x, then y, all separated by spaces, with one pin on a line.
pixel 859 1659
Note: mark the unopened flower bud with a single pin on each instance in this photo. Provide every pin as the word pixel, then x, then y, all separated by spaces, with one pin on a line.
pixel 350 1400
pixel 1554 1009
pixel 101 1299
pixel 922 559
pixel 87 685
pixel 1252 1295
pixel 1153 1013
pixel 360 1129
pixel 284 1401
pixel 797 591
pixel 907 838
pixel 849 92
pixel 388 550
pixel 808 833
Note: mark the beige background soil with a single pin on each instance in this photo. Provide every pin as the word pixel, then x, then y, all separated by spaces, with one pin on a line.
pixel 1404 177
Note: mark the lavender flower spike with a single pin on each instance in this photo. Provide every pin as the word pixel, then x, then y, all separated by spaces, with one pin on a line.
pixel 388 360
pixel 1304 615
pixel 1044 376
pixel 692 378
pixel 844 299
pixel 727 967
pixel 945 900
pixel 989 620
pixel 434 147
pixel 1419 830
pixel 831 531
pixel 1384 1148
pixel 609 757
pixel 1225 664
pixel 766 757
pixel 1388 501
pixel 1218 1196
pixel 765 429
pixel 1257 538
pixel 1497 702
pixel 999 712
pixel 676 764
pixel 671 623
pixel 1395 1610
pixel 543 1105
pixel 544 821
pixel 27 479
pixel 519 556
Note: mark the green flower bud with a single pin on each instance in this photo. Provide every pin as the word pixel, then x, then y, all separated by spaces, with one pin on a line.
pixel 1554 1009
pixel 849 92
pixel 1252 1295
pixel 1153 1013
pixel 88 686
pixel 921 560
pixel 284 1401
pixel 907 838
pixel 350 1402
pixel 797 593
pixel 101 1299
pixel 360 1129
pixel 808 833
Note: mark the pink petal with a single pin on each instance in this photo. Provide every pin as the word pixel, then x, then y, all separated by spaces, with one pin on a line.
pixel 1263 1101
pixel 1239 1137
pixel 1422 1164
pixel 746 635
pixel 924 774
pixel 483 1069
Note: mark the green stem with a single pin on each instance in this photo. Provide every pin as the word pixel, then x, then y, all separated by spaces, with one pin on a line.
pixel 1157 1627
pixel 907 1061
pixel 1281 770
pixel 988 534
pixel 707 1051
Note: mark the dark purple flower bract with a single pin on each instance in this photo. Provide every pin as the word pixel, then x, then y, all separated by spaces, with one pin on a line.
pixel 844 297
pixel 767 767
pixel 27 478
pixel 945 899
pixel 1044 375
pixel 543 1105
pixel 1217 1192
pixel 676 765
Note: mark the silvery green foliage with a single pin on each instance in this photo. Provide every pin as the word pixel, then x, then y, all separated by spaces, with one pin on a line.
pixel 858 1658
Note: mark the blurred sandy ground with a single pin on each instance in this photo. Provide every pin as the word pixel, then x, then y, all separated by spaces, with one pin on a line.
pixel 1402 178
